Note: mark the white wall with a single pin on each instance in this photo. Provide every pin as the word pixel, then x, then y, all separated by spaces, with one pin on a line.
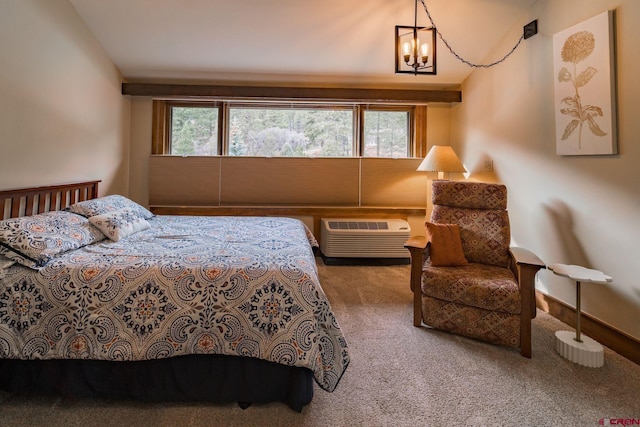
pixel 62 117
pixel 578 210
pixel 141 114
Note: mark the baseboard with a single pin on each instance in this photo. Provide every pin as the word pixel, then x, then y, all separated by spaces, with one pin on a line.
pixel 607 335
pixel 364 261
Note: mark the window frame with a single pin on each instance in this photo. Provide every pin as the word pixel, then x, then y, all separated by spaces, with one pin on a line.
pixel 292 105
pixel 162 120
pixel 185 104
pixel 363 108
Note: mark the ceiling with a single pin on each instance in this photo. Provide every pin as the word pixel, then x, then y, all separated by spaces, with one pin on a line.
pixel 291 41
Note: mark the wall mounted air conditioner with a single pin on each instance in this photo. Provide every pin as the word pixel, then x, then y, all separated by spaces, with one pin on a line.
pixel 364 238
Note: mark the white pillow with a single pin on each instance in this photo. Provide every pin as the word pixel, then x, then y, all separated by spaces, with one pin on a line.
pixel 120 223
pixel 102 205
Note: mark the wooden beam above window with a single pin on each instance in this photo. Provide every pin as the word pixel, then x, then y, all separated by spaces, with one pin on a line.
pixel 178 91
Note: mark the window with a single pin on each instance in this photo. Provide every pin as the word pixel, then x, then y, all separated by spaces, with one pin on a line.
pixel 386 133
pixel 294 129
pixel 290 132
pixel 194 131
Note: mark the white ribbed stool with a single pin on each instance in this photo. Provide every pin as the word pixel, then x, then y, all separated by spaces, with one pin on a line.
pixel 579 349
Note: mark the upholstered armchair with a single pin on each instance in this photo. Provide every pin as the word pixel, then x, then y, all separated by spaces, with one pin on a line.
pixel 464 276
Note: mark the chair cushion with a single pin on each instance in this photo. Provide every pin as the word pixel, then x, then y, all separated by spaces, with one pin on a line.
pixel 446 246
pixel 478 285
pixel 490 326
pixel 470 195
pixel 480 210
pixel 485 233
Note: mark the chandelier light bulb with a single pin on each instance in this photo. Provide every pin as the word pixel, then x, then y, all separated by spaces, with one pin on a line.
pixel 424 48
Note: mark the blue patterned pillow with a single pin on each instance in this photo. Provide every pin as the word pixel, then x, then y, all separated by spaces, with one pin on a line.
pixel 102 205
pixel 33 240
pixel 119 224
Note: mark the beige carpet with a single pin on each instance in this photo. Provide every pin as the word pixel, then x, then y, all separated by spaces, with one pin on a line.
pixel 399 376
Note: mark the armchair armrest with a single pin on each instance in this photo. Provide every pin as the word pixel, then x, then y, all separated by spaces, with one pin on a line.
pixel 418 249
pixel 525 256
pixel 418 242
pixel 526 265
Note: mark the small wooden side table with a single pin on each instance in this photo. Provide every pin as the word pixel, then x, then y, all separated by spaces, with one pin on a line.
pixel 579 349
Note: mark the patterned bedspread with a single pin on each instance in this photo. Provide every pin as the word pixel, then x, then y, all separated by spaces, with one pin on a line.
pixel 240 286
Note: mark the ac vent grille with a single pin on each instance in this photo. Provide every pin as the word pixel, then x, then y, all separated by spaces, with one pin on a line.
pixel 358 225
pixel 364 238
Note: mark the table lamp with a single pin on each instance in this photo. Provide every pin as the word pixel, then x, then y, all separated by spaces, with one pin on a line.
pixel 441 159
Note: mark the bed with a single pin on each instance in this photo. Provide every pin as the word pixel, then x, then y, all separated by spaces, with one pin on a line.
pixel 101 298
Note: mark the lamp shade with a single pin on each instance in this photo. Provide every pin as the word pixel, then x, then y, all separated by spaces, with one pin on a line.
pixel 441 158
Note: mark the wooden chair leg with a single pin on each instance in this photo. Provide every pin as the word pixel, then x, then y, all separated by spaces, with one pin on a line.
pixel 417 307
pixel 525 336
pixel 416 288
pixel 526 280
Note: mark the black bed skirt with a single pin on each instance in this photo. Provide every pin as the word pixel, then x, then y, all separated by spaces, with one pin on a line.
pixel 202 378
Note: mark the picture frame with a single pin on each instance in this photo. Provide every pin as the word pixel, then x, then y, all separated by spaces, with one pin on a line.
pixel 585 87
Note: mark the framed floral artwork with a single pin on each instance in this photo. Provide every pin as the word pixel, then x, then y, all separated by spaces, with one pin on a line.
pixel 585 88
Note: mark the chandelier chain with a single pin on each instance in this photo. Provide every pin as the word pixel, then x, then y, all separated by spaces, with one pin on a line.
pixel 471 64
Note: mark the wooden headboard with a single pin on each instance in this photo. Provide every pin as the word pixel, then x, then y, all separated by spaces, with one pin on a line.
pixel 34 200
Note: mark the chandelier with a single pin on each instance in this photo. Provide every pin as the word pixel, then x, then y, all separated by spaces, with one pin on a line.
pixel 412 54
pixel 415 46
